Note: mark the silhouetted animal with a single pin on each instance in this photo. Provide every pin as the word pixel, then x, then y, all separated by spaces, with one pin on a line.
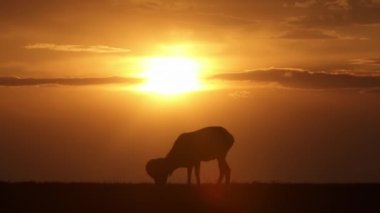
pixel 189 150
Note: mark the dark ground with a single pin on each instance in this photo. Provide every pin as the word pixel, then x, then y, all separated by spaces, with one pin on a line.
pixel 256 197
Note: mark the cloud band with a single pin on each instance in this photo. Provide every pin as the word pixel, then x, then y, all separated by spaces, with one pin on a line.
pixel 13 81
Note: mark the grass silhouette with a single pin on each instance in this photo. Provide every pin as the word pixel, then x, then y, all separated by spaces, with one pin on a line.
pixel 119 197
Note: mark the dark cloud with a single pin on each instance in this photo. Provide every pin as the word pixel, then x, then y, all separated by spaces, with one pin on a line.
pixel 297 78
pixel 14 81
pixel 338 13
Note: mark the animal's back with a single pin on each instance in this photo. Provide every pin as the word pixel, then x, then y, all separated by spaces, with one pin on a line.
pixel 201 145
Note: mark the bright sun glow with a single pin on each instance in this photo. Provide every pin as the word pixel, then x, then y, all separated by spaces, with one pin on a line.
pixel 171 75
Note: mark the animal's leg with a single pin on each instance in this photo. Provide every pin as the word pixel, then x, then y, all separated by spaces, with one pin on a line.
pixel 189 172
pixel 197 171
pixel 227 172
pixel 221 170
pixel 225 169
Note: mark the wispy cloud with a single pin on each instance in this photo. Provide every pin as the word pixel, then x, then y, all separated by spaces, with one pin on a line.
pixel 305 4
pixel 366 61
pixel 308 34
pixel 77 48
pixel 14 81
pixel 298 78
pixel 240 94
pixel 375 91
pixel 316 34
pixel 331 4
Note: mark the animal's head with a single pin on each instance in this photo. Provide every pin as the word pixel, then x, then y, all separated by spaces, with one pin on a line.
pixel 158 169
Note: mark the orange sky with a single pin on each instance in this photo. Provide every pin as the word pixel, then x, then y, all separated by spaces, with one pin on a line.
pixel 110 35
pixel 300 92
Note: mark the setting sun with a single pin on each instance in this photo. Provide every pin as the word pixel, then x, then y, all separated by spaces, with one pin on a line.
pixel 171 75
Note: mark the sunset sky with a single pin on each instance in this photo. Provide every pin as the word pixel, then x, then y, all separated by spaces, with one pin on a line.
pixel 91 90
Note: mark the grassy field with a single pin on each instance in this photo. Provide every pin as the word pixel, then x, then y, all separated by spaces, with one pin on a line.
pixel 256 197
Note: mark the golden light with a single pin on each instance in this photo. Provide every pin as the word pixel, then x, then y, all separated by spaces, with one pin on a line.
pixel 171 75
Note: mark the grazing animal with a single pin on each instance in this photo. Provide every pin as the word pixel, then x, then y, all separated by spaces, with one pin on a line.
pixel 189 150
